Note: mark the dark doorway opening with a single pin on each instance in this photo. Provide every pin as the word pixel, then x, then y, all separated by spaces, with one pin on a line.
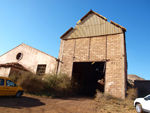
pixel 87 75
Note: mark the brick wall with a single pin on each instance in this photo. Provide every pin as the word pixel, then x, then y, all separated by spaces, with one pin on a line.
pixel 102 48
pixel 67 57
pixel 115 68
pixel 81 49
pixel 98 48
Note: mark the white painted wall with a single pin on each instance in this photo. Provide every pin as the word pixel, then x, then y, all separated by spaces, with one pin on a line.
pixel 30 59
pixel 4 71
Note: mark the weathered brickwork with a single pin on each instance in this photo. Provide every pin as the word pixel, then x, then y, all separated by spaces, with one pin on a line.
pixel 81 49
pixel 67 58
pixel 103 48
pixel 98 48
pixel 115 67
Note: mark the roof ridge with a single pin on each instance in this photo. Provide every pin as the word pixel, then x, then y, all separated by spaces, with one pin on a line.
pixel 28 46
pixel 39 50
pixel 12 49
pixel 91 11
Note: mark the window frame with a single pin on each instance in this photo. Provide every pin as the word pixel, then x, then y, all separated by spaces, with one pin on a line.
pixel 41 69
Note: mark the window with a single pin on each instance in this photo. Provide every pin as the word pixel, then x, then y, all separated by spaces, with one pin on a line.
pixel 41 69
pixel 10 83
pixel 1 82
pixel 19 56
pixel 148 98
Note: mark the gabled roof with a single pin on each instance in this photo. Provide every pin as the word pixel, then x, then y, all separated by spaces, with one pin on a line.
pixel 31 47
pixel 95 14
pixel 93 24
pixel 15 65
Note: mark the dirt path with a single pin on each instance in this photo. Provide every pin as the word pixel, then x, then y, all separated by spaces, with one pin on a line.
pixel 34 104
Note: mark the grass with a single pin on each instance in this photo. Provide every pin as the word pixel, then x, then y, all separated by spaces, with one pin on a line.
pixel 112 104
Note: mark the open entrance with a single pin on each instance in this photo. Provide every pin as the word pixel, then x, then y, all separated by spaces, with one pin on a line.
pixel 89 76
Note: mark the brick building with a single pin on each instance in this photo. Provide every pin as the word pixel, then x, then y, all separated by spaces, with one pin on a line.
pixel 94 50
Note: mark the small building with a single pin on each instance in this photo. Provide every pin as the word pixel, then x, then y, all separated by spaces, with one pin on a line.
pixel 142 87
pixel 13 68
pixel 27 58
pixel 95 50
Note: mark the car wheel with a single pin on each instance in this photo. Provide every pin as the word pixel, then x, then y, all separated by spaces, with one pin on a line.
pixel 18 94
pixel 138 108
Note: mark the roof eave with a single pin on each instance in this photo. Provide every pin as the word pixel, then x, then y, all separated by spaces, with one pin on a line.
pixel 123 28
pixel 66 32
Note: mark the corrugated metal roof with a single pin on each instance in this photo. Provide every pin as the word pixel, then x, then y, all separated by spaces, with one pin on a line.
pixel 93 24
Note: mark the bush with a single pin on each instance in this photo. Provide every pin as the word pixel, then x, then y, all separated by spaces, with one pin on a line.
pixel 15 75
pixel 31 83
pixel 60 84
pixel 48 85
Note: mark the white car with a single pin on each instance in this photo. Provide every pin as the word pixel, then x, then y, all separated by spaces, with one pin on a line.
pixel 142 104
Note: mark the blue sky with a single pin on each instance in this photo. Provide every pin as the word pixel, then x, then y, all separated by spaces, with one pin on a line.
pixel 40 23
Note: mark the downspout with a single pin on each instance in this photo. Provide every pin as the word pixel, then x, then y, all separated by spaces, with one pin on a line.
pixel 105 64
pixel 89 48
pixel 58 60
pixel 125 61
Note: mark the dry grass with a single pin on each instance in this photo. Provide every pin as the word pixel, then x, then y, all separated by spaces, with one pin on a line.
pixel 60 86
pixel 111 104
pixel 48 85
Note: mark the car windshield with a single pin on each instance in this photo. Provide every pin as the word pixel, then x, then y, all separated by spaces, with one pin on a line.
pixel 147 97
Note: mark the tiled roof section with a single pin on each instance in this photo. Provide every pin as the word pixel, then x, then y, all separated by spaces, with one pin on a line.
pixel 15 65
pixel 91 25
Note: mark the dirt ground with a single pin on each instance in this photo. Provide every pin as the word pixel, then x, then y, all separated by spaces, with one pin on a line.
pixel 35 104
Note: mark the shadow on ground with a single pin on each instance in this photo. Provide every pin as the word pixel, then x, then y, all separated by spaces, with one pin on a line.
pixel 23 101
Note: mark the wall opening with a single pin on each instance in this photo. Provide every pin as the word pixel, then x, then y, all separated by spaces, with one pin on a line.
pixel 41 69
pixel 89 76
pixel 19 56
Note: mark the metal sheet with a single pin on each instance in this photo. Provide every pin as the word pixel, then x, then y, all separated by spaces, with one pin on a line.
pixel 92 26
